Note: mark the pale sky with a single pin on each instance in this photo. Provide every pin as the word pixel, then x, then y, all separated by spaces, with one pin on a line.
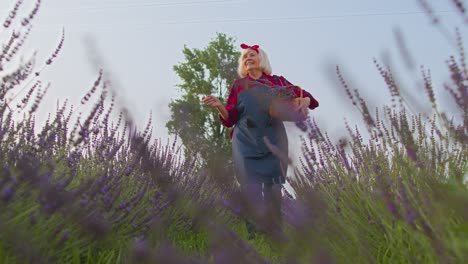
pixel 141 40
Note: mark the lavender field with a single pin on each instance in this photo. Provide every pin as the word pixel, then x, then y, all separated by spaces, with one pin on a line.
pixel 96 189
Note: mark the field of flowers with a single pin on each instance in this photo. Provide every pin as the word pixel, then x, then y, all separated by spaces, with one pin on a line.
pixel 98 190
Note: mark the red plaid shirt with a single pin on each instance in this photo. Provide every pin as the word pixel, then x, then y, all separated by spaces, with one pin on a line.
pixel 270 80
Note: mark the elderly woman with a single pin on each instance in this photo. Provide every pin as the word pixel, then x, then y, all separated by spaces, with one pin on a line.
pixel 255 132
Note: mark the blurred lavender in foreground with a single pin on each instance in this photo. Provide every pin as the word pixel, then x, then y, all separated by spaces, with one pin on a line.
pixel 98 190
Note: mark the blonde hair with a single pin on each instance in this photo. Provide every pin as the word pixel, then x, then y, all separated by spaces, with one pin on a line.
pixel 264 63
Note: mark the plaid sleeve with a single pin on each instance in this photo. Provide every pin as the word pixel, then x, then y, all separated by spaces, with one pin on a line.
pixel 297 91
pixel 231 107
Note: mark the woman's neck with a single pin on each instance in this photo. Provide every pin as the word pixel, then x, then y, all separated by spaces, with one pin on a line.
pixel 255 74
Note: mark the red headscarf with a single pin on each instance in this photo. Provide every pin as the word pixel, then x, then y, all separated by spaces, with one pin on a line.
pixel 254 47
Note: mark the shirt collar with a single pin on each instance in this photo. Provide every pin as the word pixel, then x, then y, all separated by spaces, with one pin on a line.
pixel 263 76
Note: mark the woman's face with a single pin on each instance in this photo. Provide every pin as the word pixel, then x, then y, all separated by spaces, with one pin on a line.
pixel 251 60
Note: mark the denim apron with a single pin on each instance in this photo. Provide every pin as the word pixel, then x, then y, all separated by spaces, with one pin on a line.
pixel 253 160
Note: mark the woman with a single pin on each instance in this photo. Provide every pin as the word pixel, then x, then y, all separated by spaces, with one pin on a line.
pixel 254 130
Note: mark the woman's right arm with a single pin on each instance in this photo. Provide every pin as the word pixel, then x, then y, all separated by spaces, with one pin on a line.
pixel 223 112
pixel 227 114
pixel 213 101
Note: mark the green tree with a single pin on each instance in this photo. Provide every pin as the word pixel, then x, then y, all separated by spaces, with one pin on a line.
pixel 206 71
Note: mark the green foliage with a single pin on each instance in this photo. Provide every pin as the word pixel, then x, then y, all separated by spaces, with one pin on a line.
pixel 204 71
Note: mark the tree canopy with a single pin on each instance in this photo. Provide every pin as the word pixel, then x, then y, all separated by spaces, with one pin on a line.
pixel 211 70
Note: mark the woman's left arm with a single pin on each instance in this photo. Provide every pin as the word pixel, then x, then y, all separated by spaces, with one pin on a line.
pixel 297 91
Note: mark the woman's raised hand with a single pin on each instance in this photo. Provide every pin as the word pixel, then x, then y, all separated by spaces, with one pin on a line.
pixel 303 105
pixel 304 102
pixel 212 101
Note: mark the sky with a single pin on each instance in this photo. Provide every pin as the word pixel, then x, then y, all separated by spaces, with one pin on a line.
pixel 139 41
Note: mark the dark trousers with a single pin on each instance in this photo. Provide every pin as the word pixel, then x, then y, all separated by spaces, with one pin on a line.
pixel 264 207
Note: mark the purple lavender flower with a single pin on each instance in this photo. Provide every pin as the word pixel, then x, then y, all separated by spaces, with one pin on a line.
pixel 141 253
pixel 65 237
pixel 104 189
pixel 7 193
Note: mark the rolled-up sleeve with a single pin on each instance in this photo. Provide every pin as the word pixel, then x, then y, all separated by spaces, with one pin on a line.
pixel 297 91
pixel 231 107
